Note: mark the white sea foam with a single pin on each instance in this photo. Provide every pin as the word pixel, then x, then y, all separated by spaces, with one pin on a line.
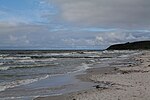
pixel 4 68
pixel 83 67
pixel 124 56
pixel 93 61
pixel 24 66
pixel 7 85
pixel 3 55
pixel 36 60
pixel 131 53
pixel 32 61
pixel 1 64
pixel 27 97
pixel 16 58
pixel 118 51
pixel 94 56
pixel 45 60
pixel 57 54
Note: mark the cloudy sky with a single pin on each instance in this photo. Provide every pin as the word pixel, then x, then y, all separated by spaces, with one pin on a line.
pixel 72 24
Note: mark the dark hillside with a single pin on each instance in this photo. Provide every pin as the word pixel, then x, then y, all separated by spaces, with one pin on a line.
pixel 140 45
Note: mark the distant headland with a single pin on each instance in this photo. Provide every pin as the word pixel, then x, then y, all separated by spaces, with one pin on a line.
pixel 139 45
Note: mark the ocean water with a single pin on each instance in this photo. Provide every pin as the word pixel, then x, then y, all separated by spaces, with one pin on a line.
pixel 28 74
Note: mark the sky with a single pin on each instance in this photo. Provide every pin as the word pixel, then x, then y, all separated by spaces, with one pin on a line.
pixel 72 24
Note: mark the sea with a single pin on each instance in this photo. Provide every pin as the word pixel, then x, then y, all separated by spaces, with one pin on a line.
pixel 27 74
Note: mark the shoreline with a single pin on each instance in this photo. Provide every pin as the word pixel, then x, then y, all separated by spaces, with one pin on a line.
pixel 113 83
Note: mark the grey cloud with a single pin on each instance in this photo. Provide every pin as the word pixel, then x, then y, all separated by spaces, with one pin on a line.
pixel 117 13
pixel 20 34
pixel 15 27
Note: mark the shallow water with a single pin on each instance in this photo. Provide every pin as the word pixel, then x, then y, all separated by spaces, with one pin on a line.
pixel 31 74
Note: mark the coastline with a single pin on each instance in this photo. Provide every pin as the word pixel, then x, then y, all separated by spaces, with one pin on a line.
pixel 114 83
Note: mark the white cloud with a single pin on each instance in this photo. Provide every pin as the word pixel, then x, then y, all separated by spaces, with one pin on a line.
pixel 79 42
pixel 119 37
pixel 13 38
pixel 9 27
pixel 22 39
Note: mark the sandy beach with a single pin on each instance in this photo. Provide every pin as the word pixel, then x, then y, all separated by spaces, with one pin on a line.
pixel 74 49
pixel 115 83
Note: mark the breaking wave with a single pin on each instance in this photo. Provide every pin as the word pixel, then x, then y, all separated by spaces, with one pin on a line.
pixel 7 85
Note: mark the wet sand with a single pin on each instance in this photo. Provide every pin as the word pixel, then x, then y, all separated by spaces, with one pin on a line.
pixel 115 83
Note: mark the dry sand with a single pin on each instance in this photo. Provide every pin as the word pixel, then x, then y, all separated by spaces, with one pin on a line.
pixel 122 83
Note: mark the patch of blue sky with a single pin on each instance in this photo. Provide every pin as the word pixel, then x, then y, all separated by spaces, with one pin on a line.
pixel 31 11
